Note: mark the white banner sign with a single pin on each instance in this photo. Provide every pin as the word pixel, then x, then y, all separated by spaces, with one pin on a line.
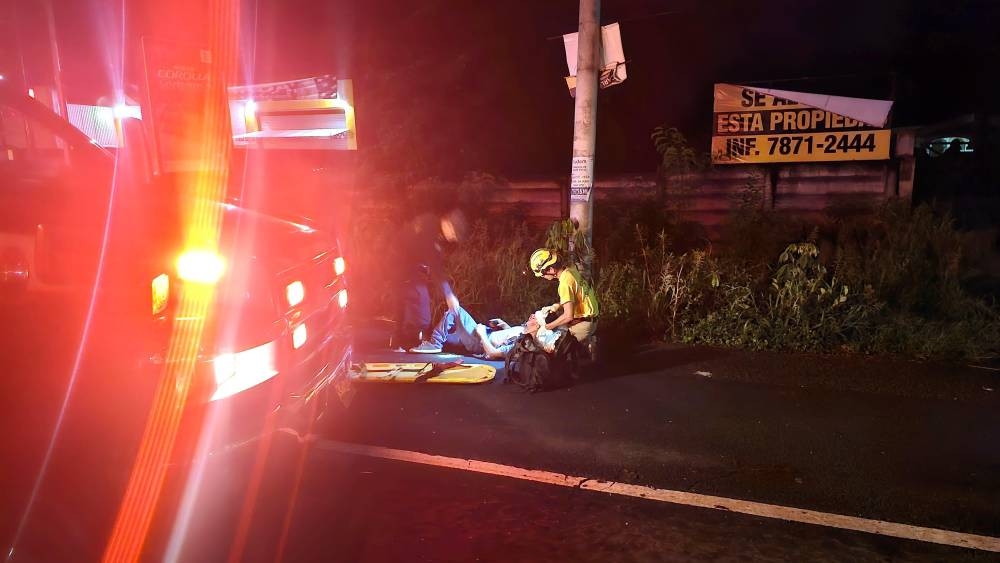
pixel 871 112
pixel 612 57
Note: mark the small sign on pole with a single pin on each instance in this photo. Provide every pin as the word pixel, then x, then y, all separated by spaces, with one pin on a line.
pixel 581 178
pixel 612 58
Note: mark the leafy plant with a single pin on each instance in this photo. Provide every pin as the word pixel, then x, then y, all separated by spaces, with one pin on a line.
pixel 566 238
pixel 803 308
pixel 735 321
pixel 809 309
pixel 676 155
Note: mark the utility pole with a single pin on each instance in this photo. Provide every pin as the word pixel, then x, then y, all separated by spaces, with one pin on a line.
pixel 581 187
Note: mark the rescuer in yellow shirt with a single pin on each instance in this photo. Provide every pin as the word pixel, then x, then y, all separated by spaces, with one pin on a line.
pixel 577 301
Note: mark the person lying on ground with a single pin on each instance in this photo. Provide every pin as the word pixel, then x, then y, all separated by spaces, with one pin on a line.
pixel 535 326
pixel 458 330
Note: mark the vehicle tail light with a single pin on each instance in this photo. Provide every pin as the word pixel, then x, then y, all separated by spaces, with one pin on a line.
pixel 339 266
pixel 299 336
pixel 161 293
pixel 295 292
pixel 200 266
pixel 240 371
pixel 342 298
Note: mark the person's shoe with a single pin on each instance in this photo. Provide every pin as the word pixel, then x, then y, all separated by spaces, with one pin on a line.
pixel 426 347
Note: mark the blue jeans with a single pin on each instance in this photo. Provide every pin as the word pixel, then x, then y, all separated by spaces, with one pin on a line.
pixel 414 313
pixel 457 330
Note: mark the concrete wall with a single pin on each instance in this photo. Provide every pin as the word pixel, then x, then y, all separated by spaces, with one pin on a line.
pixel 709 197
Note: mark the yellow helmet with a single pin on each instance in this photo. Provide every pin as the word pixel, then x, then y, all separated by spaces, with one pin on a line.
pixel 542 259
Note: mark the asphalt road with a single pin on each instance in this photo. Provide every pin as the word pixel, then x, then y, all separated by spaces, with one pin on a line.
pixel 671 421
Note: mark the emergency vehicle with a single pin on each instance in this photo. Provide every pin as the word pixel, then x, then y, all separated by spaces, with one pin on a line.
pixel 89 232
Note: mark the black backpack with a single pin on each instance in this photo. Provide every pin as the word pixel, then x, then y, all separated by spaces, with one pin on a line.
pixel 534 369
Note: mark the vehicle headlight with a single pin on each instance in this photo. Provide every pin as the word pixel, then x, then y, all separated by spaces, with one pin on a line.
pixel 299 336
pixel 295 292
pixel 239 371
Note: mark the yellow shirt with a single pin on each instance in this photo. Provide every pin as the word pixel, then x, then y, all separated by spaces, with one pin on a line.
pixel 573 289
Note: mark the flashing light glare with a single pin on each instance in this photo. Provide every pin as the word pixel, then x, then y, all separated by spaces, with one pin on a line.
pixel 161 293
pixel 250 107
pixel 299 336
pixel 342 298
pixel 135 524
pixel 239 371
pixel 340 104
pixel 303 228
pixel 224 366
pixel 1 77
pixel 295 292
pixel 339 266
pixel 31 92
pixel 122 111
pixel 110 115
pixel 200 266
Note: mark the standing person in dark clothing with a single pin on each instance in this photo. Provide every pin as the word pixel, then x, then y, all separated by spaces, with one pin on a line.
pixel 422 260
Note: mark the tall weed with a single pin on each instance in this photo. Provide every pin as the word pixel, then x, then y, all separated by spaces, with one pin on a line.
pixel 489 271
pixel 910 256
pixel 804 307
pixel 655 291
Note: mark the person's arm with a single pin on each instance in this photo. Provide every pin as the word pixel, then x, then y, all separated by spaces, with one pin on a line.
pixel 435 262
pixel 449 297
pixel 567 294
pixel 564 318
pixel 491 351
pixel 498 324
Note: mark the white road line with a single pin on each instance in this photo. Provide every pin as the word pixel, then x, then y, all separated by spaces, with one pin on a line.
pixel 879 527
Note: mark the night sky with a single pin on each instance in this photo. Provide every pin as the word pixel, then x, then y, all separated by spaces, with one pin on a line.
pixel 446 86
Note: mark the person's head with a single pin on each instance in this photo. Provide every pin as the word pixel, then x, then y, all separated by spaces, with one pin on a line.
pixel 545 263
pixel 453 225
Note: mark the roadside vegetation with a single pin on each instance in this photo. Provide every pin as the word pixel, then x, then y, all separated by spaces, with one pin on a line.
pixel 889 282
